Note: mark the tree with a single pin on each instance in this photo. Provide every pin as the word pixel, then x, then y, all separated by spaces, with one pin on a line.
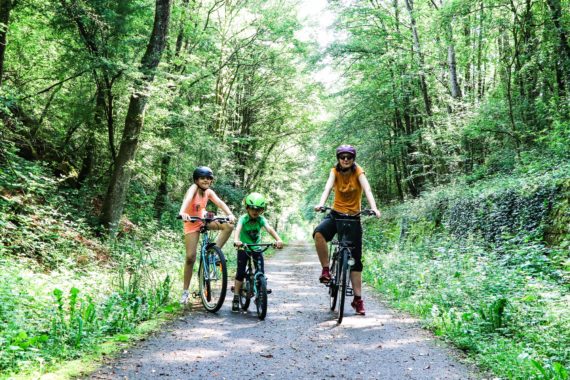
pixel 119 183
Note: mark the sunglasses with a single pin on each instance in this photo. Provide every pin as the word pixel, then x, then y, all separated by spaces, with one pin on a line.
pixel 346 157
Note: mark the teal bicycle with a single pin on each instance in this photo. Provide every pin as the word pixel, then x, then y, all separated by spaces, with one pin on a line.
pixel 255 283
pixel 213 271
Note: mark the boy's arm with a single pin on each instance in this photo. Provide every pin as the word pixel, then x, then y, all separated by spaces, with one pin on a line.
pixel 187 199
pixel 237 231
pixel 328 187
pixel 272 232
pixel 221 204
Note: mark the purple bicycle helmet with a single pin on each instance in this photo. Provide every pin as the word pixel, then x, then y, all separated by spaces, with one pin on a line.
pixel 346 149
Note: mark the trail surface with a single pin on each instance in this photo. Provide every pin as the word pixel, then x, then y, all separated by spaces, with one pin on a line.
pixel 298 340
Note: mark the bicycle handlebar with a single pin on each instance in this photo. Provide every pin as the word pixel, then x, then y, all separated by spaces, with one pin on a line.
pixel 250 246
pixel 365 212
pixel 193 219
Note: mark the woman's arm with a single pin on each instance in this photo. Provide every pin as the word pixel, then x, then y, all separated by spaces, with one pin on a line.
pixel 221 204
pixel 328 187
pixel 187 199
pixel 368 191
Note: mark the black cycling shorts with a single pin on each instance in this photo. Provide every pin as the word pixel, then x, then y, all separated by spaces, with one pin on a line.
pixel 242 263
pixel 328 228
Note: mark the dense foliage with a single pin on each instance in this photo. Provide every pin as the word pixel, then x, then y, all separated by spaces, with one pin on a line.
pixel 459 109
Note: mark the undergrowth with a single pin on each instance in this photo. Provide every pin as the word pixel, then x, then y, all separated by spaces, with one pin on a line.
pixel 476 265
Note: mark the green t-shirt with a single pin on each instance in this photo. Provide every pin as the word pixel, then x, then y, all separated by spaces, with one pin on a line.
pixel 251 229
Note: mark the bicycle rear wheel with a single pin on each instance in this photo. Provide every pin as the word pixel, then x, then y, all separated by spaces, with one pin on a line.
pixel 343 283
pixel 261 299
pixel 213 277
pixel 333 284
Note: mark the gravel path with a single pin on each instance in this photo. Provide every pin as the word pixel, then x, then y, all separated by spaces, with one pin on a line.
pixel 298 339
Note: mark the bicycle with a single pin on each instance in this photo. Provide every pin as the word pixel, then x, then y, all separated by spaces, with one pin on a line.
pixel 212 271
pixel 255 283
pixel 341 260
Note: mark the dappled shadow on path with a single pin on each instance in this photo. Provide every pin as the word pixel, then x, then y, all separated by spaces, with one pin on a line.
pixel 298 339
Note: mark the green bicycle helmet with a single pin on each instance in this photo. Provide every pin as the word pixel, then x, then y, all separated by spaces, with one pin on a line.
pixel 255 201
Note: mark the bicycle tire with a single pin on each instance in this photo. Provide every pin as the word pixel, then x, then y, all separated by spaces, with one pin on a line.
pixel 333 284
pixel 213 278
pixel 261 299
pixel 244 297
pixel 343 285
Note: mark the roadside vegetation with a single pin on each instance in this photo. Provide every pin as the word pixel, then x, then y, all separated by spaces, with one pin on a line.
pixel 486 266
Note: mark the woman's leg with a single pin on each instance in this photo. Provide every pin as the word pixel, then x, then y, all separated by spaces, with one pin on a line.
pixel 191 243
pixel 322 249
pixel 356 278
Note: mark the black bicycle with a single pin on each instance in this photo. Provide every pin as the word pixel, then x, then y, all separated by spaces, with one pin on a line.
pixel 341 260
pixel 212 272
pixel 255 283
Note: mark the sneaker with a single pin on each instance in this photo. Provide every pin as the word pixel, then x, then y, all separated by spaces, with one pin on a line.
pixel 185 297
pixel 235 304
pixel 325 276
pixel 358 307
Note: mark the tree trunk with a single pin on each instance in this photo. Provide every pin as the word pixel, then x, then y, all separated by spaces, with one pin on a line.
pixel 5 8
pixel 118 186
pixel 162 194
pixel 417 46
pixel 563 63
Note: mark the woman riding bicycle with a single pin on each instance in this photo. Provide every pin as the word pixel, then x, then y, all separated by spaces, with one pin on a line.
pixel 348 181
pixel 194 204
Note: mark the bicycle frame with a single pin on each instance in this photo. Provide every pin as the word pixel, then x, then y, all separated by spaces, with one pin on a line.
pixel 212 270
pixel 341 260
pixel 254 279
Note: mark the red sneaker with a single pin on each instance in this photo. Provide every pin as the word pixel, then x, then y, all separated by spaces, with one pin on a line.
pixel 325 276
pixel 358 307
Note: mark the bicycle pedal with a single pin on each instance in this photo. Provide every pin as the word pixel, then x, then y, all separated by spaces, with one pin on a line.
pixel 349 292
pixel 269 291
pixel 232 289
pixel 195 295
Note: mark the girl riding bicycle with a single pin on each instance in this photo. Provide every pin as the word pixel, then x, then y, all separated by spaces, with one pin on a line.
pixel 248 231
pixel 348 181
pixel 194 204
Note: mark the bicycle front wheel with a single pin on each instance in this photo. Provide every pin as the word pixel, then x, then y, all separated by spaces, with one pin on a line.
pixel 333 284
pixel 245 292
pixel 213 277
pixel 343 284
pixel 261 300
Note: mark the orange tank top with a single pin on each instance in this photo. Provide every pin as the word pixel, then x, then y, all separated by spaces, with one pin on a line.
pixel 347 191
pixel 198 204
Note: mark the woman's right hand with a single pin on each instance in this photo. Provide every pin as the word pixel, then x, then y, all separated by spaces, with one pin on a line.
pixel 185 217
pixel 238 243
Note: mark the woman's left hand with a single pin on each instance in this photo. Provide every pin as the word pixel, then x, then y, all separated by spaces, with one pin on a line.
pixel 377 212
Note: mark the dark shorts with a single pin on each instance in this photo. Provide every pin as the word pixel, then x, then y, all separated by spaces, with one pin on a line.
pixel 328 228
pixel 242 263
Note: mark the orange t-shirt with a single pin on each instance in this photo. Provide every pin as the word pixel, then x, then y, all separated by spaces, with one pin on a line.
pixel 347 191
pixel 196 207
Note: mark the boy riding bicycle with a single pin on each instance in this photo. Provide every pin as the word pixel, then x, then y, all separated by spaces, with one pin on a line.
pixel 248 231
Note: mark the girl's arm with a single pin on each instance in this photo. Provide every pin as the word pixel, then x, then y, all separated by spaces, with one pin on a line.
pixel 328 187
pixel 366 187
pixel 272 232
pixel 187 199
pixel 218 202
